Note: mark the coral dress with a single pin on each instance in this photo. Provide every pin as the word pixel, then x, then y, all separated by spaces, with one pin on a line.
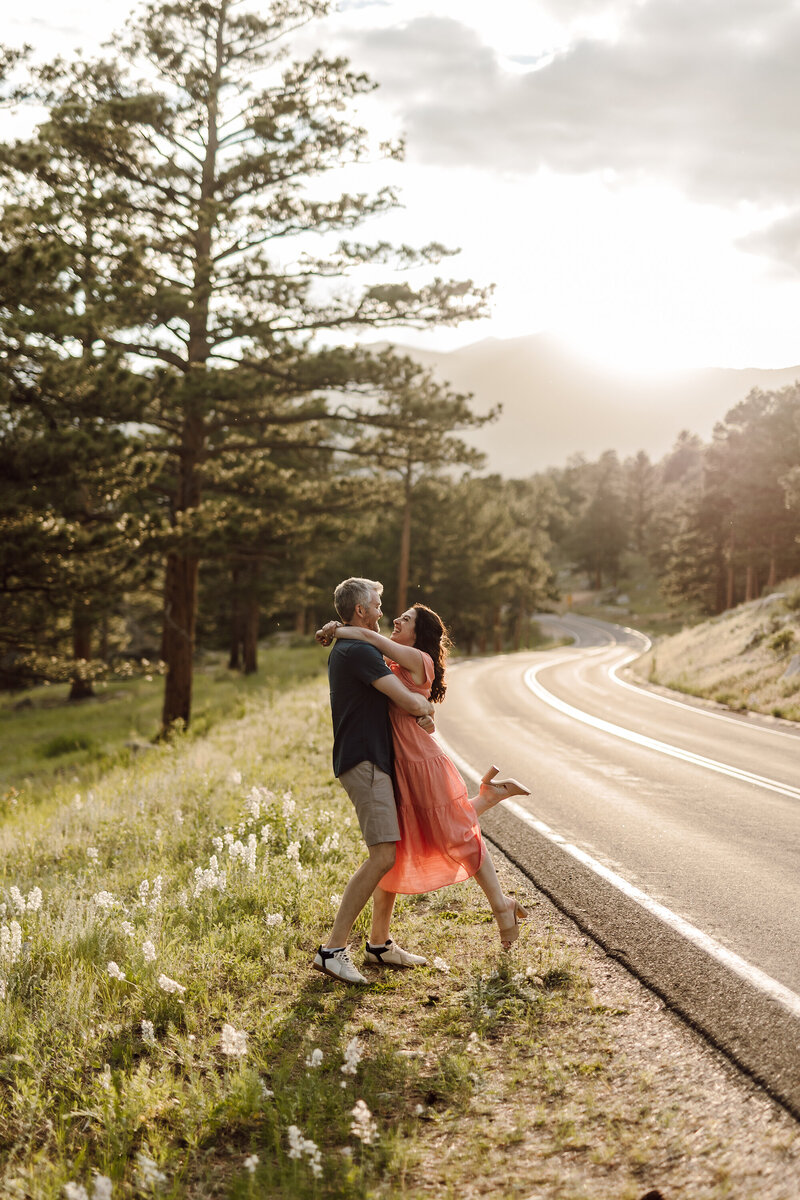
pixel 441 839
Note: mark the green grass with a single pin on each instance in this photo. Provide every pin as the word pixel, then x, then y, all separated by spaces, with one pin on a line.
pixel 44 736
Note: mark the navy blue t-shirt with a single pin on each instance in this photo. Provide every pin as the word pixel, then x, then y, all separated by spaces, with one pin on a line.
pixel 362 731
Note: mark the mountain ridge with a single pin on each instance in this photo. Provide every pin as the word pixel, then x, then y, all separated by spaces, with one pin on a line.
pixel 556 404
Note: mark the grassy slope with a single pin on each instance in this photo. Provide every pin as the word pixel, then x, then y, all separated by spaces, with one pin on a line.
pixel 491 1077
pixel 738 659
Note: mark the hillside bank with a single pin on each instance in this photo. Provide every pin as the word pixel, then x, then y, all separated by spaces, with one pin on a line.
pixel 747 659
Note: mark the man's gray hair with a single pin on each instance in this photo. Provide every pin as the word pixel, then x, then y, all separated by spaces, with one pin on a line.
pixel 351 592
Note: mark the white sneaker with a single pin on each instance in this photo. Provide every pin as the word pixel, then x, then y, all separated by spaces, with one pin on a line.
pixel 338 964
pixel 392 955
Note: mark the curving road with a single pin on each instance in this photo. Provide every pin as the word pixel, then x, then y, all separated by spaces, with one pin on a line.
pixel 697 810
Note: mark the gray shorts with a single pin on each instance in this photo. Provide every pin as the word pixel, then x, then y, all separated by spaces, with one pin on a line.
pixel 372 794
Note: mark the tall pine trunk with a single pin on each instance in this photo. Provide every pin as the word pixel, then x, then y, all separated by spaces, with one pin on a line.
pixel 405 544
pixel 180 586
pixel 80 688
pixel 234 659
pixel 250 624
pixel 180 612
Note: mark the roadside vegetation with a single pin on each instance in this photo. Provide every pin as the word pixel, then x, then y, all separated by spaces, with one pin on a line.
pixel 747 659
pixel 162 1033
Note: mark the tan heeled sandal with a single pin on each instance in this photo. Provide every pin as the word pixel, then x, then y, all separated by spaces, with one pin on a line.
pixel 508 927
pixel 500 789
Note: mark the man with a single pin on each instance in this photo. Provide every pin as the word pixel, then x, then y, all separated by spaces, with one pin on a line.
pixel 361 686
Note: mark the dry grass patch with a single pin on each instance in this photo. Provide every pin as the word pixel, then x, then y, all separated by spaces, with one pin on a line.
pixel 745 659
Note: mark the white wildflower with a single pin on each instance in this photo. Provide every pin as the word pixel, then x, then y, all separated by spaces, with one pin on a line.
pixel 105 1078
pixel 115 972
pixel 235 777
pixel 288 805
pixel 92 853
pixel 17 899
pixel 236 850
pixel 250 1163
pixel 34 901
pixel 148 952
pixel 104 900
pixel 296 1142
pixel 266 832
pixel 75 1191
pixel 148 1032
pixel 3 989
pixel 234 1041
pixel 178 817
pixel 253 803
pixel 314 1059
pixel 274 919
pixel 298 1146
pixel 101 1189
pixel 218 844
pixel 363 1126
pixel 419 1110
pixel 335 898
pixel 314 1159
pixel 353 1053
pixel 155 897
pixel 293 851
pixel 211 877
pixel 127 929
pixel 144 891
pixel 441 965
pixel 148 1173
pixel 266 1093
pixel 252 844
pixel 330 843
pixel 10 942
pixel 169 985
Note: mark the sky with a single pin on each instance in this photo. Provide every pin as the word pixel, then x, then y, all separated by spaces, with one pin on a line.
pixel 627 173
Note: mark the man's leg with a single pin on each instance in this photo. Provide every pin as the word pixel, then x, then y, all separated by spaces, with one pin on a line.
pixel 358 891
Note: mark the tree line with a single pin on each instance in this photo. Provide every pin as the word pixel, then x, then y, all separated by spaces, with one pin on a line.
pixel 181 384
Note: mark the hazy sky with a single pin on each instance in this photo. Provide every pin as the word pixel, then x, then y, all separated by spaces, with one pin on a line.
pixel 627 173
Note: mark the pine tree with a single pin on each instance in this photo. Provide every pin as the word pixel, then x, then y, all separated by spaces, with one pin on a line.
pixel 215 157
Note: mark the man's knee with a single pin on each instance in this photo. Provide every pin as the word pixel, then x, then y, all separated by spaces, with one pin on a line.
pixel 383 855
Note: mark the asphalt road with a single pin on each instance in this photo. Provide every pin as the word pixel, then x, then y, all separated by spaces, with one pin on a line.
pixel 697 810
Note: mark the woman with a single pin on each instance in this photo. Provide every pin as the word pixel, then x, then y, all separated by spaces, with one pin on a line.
pixel 441 836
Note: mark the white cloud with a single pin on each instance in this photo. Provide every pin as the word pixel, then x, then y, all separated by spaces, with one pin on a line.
pixel 701 93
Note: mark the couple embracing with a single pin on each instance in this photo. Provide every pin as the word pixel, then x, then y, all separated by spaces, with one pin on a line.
pixel 421 830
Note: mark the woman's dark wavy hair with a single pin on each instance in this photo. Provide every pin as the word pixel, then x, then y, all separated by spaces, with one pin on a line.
pixel 430 635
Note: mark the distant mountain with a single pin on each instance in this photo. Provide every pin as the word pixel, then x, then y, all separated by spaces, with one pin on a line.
pixel 556 405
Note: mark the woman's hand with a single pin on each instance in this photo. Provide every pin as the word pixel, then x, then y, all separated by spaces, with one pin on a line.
pixel 328 632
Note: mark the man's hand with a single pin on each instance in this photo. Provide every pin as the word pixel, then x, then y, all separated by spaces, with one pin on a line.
pixel 426 723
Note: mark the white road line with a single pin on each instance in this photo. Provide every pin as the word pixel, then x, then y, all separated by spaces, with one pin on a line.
pixel 649 743
pixel 739 966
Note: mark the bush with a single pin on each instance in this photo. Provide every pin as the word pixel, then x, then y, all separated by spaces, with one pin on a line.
pixel 782 640
pixel 66 743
